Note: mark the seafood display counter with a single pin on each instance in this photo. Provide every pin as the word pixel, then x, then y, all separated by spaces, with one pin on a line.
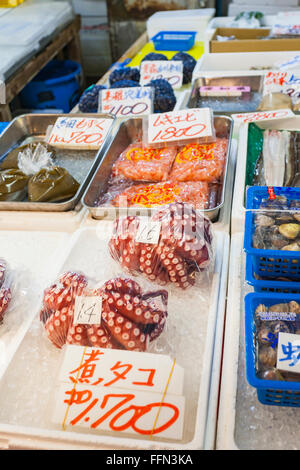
pixel 25 421
pixel 244 423
pixel 255 166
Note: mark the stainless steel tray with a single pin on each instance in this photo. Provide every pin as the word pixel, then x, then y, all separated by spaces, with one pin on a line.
pixel 80 164
pixel 229 105
pixel 124 136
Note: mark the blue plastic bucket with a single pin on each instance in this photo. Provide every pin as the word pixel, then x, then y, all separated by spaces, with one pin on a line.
pixel 57 85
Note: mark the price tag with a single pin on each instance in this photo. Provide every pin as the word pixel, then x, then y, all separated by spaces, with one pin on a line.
pixel 79 133
pixel 224 90
pixel 124 391
pixel 148 231
pixel 87 310
pixel 124 102
pixel 182 125
pixel 171 70
pixel 274 81
pixel 264 115
pixel 288 352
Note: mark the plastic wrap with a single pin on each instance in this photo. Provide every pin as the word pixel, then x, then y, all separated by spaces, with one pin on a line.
pixel 181 253
pixel 160 194
pixel 5 288
pixel 12 158
pixel 127 317
pixel 196 162
pixel 52 185
pixel 145 164
pixel 33 158
pixel 275 101
pixel 13 185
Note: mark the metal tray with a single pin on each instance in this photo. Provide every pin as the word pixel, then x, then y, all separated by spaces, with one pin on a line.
pixel 80 164
pixel 124 136
pixel 229 105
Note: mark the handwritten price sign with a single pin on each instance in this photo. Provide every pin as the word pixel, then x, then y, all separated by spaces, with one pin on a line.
pixel 171 70
pixel 79 133
pixel 124 391
pixel 124 102
pixel 264 115
pixel 183 126
pixel 274 81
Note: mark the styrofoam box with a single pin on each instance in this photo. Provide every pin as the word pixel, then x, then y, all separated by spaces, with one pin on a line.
pixel 238 208
pixel 234 9
pixel 243 422
pixel 195 338
pixel 237 63
pixel 180 20
pixel 225 21
pixel 90 7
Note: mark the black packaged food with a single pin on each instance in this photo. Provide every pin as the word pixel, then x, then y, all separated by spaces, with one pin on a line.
pixel 52 185
pixel 13 185
pixel 154 56
pixel 88 102
pixel 127 73
pixel 189 64
pixel 164 97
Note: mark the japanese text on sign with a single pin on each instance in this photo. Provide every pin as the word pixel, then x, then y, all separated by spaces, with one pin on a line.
pixel 122 391
pixel 288 353
pixel 264 115
pixel 183 125
pixel 124 102
pixel 86 133
pixel 171 70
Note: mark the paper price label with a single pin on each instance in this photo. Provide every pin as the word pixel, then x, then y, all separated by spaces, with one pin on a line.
pixel 148 231
pixel 171 70
pixel 79 133
pixel 183 125
pixel 224 90
pixel 264 115
pixel 88 310
pixel 124 102
pixel 288 352
pixel 274 81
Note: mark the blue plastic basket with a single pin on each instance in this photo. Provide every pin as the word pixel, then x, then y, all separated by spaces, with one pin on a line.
pixel 264 285
pixel 269 392
pixel 269 263
pixel 174 40
pixel 3 126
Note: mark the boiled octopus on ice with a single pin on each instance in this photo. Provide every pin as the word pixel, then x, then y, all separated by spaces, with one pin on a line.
pixel 184 246
pixel 130 318
pixel 5 290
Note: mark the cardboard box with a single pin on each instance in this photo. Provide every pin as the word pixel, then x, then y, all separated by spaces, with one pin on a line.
pixel 249 40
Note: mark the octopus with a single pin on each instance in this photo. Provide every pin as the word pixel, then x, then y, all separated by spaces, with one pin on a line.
pixel 5 290
pixel 160 194
pixel 144 164
pixel 130 318
pixel 198 162
pixel 183 248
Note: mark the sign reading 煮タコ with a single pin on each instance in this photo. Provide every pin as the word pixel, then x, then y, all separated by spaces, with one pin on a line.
pixel 117 390
pixel 288 352
pixel 170 70
pixel 124 102
pixel 181 126
pixel 79 132
pixel 264 115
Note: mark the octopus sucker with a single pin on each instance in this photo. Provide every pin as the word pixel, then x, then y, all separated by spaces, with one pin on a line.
pixel 126 314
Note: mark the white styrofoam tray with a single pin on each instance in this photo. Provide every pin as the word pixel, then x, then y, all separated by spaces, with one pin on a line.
pixel 238 63
pixel 23 420
pixel 238 208
pixel 243 422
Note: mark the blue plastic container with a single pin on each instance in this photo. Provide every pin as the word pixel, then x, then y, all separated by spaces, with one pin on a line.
pixel 174 40
pixel 3 126
pixel 57 86
pixel 269 263
pixel 264 285
pixel 269 392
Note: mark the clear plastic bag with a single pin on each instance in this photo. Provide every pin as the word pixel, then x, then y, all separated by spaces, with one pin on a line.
pixel 180 254
pixel 6 279
pixel 124 316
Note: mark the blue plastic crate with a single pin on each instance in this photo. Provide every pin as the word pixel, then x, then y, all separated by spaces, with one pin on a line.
pixel 269 263
pixel 269 392
pixel 174 40
pixel 264 285
pixel 3 126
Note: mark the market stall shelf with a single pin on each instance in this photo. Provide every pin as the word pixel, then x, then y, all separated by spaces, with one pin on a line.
pixel 87 252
